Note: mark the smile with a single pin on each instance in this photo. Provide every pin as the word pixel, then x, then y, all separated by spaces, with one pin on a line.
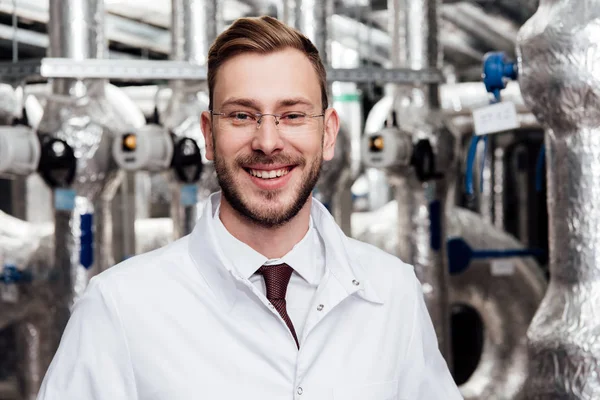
pixel 272 174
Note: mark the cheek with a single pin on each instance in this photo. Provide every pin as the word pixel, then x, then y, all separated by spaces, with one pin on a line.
pixel 228 147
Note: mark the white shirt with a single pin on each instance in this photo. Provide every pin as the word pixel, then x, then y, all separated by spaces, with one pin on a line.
pixel 180 323
pixel 307 258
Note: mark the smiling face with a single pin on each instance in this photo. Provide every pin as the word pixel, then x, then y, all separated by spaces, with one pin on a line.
pixel 267 174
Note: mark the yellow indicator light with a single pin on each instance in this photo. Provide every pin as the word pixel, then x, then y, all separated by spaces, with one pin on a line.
pixel 129 142
pixel 376 144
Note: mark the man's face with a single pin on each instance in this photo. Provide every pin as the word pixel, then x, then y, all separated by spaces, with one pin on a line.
pixel 267 174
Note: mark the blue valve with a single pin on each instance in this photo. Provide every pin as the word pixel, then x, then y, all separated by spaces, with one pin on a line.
pixel 496 70
pixel 460 254
pixel 11 274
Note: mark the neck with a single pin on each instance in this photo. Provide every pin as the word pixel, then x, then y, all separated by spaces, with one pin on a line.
pixel 272 242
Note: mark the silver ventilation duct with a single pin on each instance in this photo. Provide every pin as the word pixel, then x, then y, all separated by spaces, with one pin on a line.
pixel 314 19
pixel 559 54
pixel 505 298
pixel 78 113
pixel 421 201
pixel 194 26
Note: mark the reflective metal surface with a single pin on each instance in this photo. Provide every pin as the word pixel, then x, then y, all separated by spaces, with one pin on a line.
pixel 559 71
pixel 505 297
pixel 314 20
pixel 421 203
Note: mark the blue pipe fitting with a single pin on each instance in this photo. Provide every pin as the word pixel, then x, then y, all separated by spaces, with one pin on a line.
pixel 496 70
pixel 460 254
pixel 11 275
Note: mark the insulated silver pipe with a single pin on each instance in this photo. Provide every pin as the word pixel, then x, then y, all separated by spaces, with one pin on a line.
pixel 194 27
pixel 76 112
pixel 313 19
pixel 421 205
pixel 559 70
pixel 75 30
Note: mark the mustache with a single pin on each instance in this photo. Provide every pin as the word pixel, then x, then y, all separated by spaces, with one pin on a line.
pixel 259 158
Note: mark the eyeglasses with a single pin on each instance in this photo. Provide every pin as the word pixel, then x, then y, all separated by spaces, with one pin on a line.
pixel 292 122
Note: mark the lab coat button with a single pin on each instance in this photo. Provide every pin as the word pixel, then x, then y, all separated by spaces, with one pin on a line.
pixel 355 282
pixel 300 390
pixel 320 307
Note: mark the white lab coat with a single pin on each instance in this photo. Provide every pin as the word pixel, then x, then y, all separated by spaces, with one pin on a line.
pixel 177 324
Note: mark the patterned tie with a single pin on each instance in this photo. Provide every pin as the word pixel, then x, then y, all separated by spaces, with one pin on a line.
pixel 277 278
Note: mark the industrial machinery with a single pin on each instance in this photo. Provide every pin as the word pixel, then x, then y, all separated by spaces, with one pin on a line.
pixel 467 143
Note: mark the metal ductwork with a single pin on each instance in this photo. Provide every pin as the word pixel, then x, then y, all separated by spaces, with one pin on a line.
pixel 194 27
pixel 314 18
pixel 505 300
pixel 421 199
pixel 492 31
pixel 559 70
pixel 77 127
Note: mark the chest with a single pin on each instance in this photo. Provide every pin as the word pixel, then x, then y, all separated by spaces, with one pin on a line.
pixel 190 349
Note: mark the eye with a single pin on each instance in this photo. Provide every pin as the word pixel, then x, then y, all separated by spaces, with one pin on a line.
pixel 293 117
pixel 240 116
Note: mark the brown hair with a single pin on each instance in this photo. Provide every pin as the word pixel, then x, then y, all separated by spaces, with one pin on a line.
pixel 261 35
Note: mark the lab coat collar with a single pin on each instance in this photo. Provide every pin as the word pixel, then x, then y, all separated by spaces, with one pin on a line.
pixel 223 280
pixel 247 261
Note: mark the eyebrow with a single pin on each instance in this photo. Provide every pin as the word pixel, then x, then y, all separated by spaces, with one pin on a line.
pixel 294 101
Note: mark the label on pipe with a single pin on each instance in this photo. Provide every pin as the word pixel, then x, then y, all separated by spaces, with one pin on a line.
pixel 502 268
pixel 495 118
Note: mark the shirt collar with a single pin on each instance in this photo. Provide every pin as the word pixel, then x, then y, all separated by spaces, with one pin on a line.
pixel 246 261
pixel 223 279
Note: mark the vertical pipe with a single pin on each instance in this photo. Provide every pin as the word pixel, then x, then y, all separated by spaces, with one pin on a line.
pixel 484 177
pixel 499 186
pixel 421 205
pixel 558 51
pixel 194 27
pixel 313 20
pixel 75 30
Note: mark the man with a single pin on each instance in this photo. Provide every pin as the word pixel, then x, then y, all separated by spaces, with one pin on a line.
pixel 266 299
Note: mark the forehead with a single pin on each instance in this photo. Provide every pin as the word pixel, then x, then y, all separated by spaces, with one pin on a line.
pixel 267 78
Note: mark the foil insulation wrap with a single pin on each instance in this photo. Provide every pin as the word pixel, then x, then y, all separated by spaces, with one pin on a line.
pixel 194 26
pixel 314 21
pixel 559 69
pixel 35 312
pixel 421 206
pixel 505 300
pixel 9 104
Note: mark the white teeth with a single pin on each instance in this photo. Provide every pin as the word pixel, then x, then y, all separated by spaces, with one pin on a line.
pixel 269 174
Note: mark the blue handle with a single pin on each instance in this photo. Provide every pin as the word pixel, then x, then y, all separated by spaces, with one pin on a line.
pixel 11 274
pixel 539 169
pixel 460 254
pixel 86 249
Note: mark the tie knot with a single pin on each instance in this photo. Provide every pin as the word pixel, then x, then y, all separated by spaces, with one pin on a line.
pixel 277 278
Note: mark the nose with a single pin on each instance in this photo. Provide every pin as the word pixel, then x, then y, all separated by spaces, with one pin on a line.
pixel 267 138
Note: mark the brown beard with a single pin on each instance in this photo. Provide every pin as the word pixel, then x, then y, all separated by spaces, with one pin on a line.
pixel 234 196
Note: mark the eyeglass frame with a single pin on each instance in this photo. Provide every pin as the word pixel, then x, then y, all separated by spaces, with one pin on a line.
pixel 259 116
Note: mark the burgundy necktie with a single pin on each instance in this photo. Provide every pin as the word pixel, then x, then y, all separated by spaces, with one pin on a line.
pixel 277 278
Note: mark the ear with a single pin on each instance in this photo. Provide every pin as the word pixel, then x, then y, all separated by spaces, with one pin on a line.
pixel 332 127
pixel 206 125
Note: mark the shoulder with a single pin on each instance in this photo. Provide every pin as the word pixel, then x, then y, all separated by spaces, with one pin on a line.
pixel 384 270
pixel 149 268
